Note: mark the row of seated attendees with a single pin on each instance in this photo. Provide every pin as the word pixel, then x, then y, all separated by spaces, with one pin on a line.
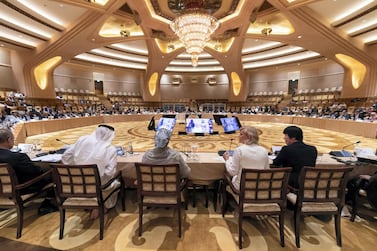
pixel 336 111
pixel 363 109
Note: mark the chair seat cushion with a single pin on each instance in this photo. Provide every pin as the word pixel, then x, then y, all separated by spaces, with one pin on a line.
pixel 5 201
pixel 313 206
pixel 262 207
pixel 318 207
pixel 255 207
pixel 160 199
pixel 78 201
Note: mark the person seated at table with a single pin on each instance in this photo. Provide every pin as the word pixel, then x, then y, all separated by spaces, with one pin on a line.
pixel 295 154
pixel 26 170
pixel 365 182
pixel 96 148
pixel 162 154
pixel 248 155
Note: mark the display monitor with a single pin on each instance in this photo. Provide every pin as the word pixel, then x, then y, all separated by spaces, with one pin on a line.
pixel 196 125
pixel 167 123
pixel 217 118
pixel 230 125
pixel 172 116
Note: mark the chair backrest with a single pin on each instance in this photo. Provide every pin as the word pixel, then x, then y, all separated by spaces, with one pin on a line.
pixel 77 181
pixel 325 184
pixel 158 180
pixel 264 185
pixel 8 181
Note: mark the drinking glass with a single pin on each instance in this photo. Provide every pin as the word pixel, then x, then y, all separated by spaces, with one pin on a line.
pixel 194 151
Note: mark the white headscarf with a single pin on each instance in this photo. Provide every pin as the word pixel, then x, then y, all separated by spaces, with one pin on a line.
pixel 95 148
pixel 105 134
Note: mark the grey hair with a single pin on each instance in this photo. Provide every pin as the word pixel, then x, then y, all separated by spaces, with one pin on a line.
pixel 251 134
pixel 5 134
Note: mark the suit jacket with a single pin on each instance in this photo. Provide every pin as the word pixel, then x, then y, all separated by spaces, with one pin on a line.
pixel 21 164
pixel 296 155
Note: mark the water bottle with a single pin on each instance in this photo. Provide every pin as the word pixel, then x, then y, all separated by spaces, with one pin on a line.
pixel 130 149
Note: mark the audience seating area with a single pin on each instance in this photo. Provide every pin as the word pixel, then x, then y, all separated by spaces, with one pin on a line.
pixel 78 103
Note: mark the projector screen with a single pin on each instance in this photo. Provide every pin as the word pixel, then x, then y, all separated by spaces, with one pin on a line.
pixel 230 125
pixel 167 123
pixel 199 125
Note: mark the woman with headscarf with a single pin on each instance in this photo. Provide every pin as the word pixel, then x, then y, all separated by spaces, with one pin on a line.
pixel 162 154
pixel 248 155
pixel 96 148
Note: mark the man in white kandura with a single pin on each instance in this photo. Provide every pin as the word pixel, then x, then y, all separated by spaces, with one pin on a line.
pixel 96 148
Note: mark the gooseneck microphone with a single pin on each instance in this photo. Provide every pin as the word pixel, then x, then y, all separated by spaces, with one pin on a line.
pixel 62 142
pixel 357 142
pixel 230 146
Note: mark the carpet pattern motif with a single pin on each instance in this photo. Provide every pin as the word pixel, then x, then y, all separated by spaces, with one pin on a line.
pixel 142 139
pixel 203 229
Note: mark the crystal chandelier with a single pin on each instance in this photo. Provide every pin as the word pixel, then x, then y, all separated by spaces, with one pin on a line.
pixel 194 28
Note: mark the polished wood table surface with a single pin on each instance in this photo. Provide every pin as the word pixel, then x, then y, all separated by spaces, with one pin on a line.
pixel 205 169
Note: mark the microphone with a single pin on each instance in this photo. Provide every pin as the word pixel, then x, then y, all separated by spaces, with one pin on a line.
pixel 62 142
pixel 185 154
pixel 357 142
pixel 230 146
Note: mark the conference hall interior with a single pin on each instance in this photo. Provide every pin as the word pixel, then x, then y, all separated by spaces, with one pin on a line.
pixel 67 66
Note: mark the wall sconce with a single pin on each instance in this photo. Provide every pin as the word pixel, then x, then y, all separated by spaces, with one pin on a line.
pixel 176 81
pixel 123 32
pixel 266 31
pixel 171 47
pixel 211 81
pixel 218 46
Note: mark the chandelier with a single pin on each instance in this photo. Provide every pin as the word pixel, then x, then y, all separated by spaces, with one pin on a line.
pixel 194 28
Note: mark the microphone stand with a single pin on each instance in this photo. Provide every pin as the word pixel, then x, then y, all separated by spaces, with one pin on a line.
pixel 347 153
pixel 62 142
pixel 357 142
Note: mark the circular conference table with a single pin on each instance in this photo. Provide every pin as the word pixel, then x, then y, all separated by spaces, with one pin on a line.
pixel 23 130
pixel 210 167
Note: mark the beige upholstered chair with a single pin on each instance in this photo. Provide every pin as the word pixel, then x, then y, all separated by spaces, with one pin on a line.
pixel 262 192
pixel 10 196
pixel 79 187
pixel 321 192
pixel 159 186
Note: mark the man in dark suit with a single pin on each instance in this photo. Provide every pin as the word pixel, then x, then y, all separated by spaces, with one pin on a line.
pixel 24 168
pixel 295 154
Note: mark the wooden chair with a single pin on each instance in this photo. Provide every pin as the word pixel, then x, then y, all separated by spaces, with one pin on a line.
pixel 10 192
pixel 79 187
pixel 193 185
pixel 262 192
pixel 321 192
pixel 159 186
pixel 361 198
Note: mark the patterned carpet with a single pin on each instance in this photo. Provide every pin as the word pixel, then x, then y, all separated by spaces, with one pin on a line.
pixel 203 229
